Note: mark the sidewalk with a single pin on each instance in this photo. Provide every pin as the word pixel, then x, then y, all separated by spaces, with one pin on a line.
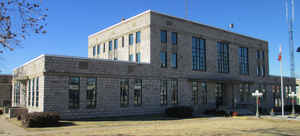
pixel 286 117
pixel 8 129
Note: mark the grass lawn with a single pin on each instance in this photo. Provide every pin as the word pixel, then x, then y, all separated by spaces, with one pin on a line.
pixel 160 126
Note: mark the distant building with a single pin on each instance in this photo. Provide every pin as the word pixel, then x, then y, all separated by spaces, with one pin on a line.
pixel 298 91
pixel 148 63
pixel 5 90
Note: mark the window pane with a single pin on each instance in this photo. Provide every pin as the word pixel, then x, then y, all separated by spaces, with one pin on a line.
pixel 110 45
pixel 198 54
pixel 174 38
pixel 74 92
pixel 138 37
pixel 163 36
pixel 163 59
pixel 130 39
pixel 116 43
pixel 174 60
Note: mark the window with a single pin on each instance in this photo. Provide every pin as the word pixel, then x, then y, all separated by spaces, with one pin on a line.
pixel 138 37
pixel 198 54
pixel 98 49
pixel 110 45
pixel 163 92
pixel 263 70
pixel 245 93
pixel 91 94
pixel 163 36
pixel 223 57
pixel 257 54
pixel 131 57
pixel 138 92
pixel 263 55
pixel 124 92
pixel 138 57
pixel 244 64
pixel 37 92
pixel 17 93
pixel 174 60
pixel 74 92
pixel 116 43
pixel 258 70
pixel 130 39
pixel 199 89
pixel 123 44
pixel 174 90
pixel 219 94
pixel 163 59
pixel 29 93
pixel 32 96
pixel 94 50
pixel 103 47
pixel 174 38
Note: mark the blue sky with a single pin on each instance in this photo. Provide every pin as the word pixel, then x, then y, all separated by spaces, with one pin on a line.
pixel 70 22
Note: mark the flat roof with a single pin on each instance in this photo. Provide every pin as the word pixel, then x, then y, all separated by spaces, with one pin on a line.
pixel 178 18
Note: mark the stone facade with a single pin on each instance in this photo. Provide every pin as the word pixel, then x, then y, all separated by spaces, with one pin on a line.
pixel 5 90
pixel 110 68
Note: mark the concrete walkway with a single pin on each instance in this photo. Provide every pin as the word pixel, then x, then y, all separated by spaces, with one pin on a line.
pixel 8 129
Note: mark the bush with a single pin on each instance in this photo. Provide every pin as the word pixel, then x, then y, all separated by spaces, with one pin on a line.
pixel 21 113
pixel 1 112
pixel 216 112
pixel 180 111
pixel 41 119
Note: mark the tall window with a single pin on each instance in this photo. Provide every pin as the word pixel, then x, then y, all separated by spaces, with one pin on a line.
pixel 258 70
pixel 91 94
pixel 74 92
pixel 116 43
pixel 130 39
pixel 257 54
pixel 163 92
pixel 198 54
pixel 138 37
pixel 124 92
pixel 37 92
pixel 245 93
pixel 123 44
pixel 110 45
pixel 98 49
pixel 223 57
pixel 163 36
pixel 174 60
pixel 33 95
pixel 29 93
pixel 244 64
pixel 174 89
pixel 219 94
pixel 174 38
pixel 17 93
pixel 163 59
pixel 138 92
pixel 94 50
pixel 103 47
pixel 138 57
pixel 130 57
pixel 199 89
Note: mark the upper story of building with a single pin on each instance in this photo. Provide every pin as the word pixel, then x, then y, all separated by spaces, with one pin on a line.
pixel 176 45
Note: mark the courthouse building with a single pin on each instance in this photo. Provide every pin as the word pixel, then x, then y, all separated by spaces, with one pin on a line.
pixel 147 63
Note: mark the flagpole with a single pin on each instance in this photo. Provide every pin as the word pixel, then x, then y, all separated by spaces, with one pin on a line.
pixel 282 100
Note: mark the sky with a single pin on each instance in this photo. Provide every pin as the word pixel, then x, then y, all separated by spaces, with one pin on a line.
pixel 70 23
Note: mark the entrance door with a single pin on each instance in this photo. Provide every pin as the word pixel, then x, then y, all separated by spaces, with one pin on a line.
pixel 219 94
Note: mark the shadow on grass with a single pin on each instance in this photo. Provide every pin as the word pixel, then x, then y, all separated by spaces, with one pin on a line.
pixel 154 117
pixel 59 124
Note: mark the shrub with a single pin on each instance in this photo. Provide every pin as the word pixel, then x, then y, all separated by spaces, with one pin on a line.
pixel 1 112
pixel 41 119
pixel 216 112
pixel 180 111
pixel 21 113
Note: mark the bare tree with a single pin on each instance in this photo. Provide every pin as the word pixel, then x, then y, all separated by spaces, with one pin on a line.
pixel 20 19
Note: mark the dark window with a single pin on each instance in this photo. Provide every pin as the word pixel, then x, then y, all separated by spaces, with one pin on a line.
pixel 130 39
pixel 124 92
pixel 123 44
pixel 174 89
pixel 116 43
pixel 174 38
pixel 17 93
pixel 130 57
pixel 263 55
pixel 37 92
pixel 198 54
pixel 33 94
pixel 219 94
pixel 91 93
pixel 94 50
pixel 223 57
pixel 244 64
pixel 163 59
pixel 263 70
pixel 163 92
pixel 138 57
pixel 245 94
pixel 257 54
pixel 138 37
pixel 98 49
pixel 258 73
pixel 195 93
pixel 174 60
pixel 103 47
pixel 74 92
pixel 29 93
pixel 199 89
pixel 163 36
pixel 110 45
pixel 138 92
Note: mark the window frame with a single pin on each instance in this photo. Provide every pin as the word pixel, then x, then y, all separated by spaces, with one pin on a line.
pixel 174 38
pixel 163 36
pixel 198 54
pixel 138 37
